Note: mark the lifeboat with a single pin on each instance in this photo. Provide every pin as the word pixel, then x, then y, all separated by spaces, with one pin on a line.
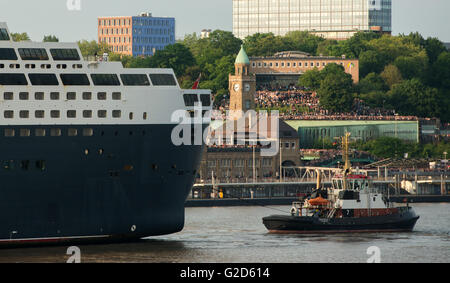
pixel 318 201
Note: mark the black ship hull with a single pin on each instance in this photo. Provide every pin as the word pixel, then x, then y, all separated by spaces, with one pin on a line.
pixel 115 183
pixel 404 222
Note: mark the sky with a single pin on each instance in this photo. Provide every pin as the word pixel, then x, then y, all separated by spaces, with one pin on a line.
pixel 52 17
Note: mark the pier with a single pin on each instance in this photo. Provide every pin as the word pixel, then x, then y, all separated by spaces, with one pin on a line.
pixel 401 186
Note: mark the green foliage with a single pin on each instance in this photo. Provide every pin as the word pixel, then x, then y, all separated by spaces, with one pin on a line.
pixel 20 37
pixel 336 89
pixel 50 38
pixel 92 48
pixel 311 79
pixel 391 75
pixel 175 56
pixel 387 147
pixel 372 82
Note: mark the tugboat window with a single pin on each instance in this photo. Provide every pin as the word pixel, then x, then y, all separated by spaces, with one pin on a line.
pixel 33 54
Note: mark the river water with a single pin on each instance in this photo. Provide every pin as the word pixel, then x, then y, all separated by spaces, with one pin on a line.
pixel 237 235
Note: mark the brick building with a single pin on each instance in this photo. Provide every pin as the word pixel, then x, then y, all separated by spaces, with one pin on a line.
pixel 285 68
pixel 136 35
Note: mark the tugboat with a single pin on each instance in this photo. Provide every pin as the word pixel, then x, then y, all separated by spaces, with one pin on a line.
pixel 351 205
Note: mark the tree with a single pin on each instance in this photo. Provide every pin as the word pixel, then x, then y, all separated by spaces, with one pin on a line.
pixel 336 90
pixel 92 48
pixel 391 75
pixel 175 56
pixel 371 61
pixel 50 38
pixel 20 36
pixel 386 147
pixel 412 66
pixel 372 82
pixel 441 72
pixel 311 79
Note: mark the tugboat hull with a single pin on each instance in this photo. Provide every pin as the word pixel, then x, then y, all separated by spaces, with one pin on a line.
pixel 313 225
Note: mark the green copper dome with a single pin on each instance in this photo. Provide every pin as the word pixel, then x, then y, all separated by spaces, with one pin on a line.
pixel 242 57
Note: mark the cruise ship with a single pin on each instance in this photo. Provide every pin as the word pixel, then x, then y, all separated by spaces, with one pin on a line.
pixel 86 152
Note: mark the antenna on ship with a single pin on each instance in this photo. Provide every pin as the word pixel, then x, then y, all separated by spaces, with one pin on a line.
pixel 345 153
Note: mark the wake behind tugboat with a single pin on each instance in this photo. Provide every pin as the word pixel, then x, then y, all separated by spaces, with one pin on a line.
pixel 351 205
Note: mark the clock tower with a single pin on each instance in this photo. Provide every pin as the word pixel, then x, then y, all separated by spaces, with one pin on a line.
pixel 242 84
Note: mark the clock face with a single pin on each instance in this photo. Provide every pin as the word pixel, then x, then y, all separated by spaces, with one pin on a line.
pixel 236 87
pixel 247 87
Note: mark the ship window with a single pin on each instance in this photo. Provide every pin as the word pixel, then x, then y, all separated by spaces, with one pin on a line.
pixel 30 66
pixel 206 99
pixel 71 113
pixel 131 116
pixel 88 132
pixel 13 79
pixel 25 164
pixel 101 96
pixel 61 66
pixel 2 66
pixel 39 96
pixel 135 80
pixel 190 99
pixel 55 114
pixel 23 95
pixel 54 95
pixel 75 79
pixel 25 132
pixel 8 54
pixel 72 132
pixel 39 132
pixel 77 66
pixel 40 164
pixel 24 114
pixel 87 114
pixel 71 95
pixel 43 79
pixel 55 132
pixel 46 66
pixel 8 114
pixel 105 79
pixel 145 116
pixel 87 95
pixel 4 34
pixel 65 54
pixel 101 113
pixel 116 113
pixel 8 96
pixel 39 113
pixel 33 54
pixel 10 133
pixel 163 80
pixel 117 96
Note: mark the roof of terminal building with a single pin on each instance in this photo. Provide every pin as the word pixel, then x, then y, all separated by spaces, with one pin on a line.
pixel 336 123
pixel 242 57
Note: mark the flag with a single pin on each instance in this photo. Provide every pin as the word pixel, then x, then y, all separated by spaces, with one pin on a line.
pixel 197 82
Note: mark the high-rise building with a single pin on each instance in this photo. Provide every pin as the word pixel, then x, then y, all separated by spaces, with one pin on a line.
pixel 142 35
pixel 337 19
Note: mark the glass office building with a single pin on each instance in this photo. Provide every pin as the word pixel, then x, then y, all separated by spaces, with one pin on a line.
pixel 338 19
